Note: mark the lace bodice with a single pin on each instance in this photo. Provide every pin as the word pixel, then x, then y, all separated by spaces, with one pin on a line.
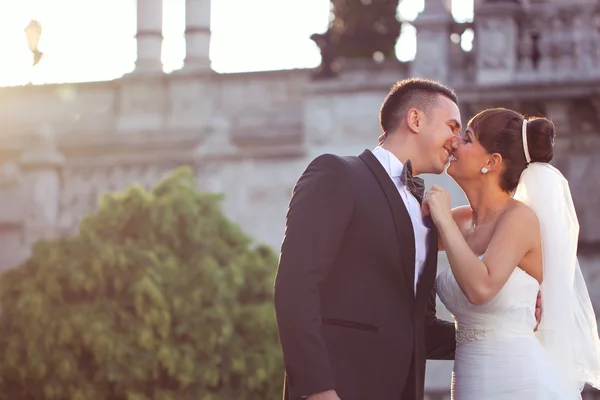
pixel 512 311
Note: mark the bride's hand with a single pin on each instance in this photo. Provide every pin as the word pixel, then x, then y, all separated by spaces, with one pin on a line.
pixel 436 203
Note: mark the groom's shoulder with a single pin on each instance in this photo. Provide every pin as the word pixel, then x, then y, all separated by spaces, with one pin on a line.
pixel 334 161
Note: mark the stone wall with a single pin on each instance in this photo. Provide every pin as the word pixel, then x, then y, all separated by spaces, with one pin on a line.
pixel 251 135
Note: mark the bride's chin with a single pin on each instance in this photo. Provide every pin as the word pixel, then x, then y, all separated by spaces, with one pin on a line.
pixel 450 170
pixel 454 174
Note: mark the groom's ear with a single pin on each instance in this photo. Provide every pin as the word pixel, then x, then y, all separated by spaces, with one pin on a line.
pixel 495 162
pixel 414 120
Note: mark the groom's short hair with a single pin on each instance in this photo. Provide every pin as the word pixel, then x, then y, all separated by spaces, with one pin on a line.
pixel 408 93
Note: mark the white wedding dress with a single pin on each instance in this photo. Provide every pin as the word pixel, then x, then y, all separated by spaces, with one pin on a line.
pixel 498 356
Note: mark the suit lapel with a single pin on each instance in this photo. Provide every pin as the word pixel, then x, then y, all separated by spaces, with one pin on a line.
pixel 402 222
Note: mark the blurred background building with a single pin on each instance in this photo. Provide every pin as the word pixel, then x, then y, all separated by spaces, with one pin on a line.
pixel 250 135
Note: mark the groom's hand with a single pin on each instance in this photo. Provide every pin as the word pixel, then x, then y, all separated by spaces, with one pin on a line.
pixel 538 310
pixel 328 395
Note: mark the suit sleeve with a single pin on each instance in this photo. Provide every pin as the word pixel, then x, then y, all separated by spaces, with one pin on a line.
pixel 319 213
pixel 439 334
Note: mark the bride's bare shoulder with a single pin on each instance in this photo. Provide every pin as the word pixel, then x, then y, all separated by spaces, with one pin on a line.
pixel 521 209
pixel 521 214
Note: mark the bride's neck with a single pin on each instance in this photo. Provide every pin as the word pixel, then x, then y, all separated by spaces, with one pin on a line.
pixel 485 198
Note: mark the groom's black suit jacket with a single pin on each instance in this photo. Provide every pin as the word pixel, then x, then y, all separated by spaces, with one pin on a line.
pixel 344 294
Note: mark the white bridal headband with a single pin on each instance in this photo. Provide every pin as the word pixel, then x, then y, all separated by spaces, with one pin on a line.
pixel 525 145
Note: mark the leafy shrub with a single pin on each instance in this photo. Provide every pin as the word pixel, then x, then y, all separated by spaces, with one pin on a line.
pixel 159 297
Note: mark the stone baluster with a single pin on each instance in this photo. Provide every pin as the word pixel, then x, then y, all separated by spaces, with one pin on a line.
pixel 41 163
pixel 595 43
pixel 525 71
pixel 433 42
pixel 546 54
pixel 564 47
pixel 149 37
pixel 197 35
pixel 583 39
pixel 496 42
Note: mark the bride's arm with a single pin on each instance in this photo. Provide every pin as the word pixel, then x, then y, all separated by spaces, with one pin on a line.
pixel 460 214
pixel 514 235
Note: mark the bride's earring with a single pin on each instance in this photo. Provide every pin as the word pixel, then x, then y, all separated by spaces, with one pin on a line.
pixel 484 170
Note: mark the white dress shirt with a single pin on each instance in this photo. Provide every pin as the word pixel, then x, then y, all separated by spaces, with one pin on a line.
pixel 394 168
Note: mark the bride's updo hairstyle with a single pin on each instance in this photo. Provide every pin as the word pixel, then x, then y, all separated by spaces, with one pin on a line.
pixel 499 130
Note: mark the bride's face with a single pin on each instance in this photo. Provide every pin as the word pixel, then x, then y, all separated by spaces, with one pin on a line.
pixel 469 158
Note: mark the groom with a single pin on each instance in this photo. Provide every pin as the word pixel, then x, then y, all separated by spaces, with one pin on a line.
pixel 354 290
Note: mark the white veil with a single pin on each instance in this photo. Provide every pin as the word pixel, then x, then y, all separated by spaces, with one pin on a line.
pixel 568 329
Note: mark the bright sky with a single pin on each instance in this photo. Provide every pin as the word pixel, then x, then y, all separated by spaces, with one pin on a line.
pixel 92 40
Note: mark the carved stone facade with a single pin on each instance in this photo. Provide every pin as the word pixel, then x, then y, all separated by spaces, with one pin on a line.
pixel 251 135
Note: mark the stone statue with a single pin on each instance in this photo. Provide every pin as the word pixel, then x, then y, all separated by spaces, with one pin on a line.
pixel 328 68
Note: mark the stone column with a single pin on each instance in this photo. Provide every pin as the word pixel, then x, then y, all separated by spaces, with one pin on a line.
pixel 41 163
pixel 497 41
pixel 197 35
pixel 433 42
pixel 149 36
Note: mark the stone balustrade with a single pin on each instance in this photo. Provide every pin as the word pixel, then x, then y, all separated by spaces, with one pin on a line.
pixel 558 43
pixel 515 43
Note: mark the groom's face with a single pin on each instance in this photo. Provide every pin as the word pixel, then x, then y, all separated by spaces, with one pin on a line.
pixel 439 135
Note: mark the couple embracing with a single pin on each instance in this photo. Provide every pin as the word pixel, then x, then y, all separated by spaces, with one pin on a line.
pixel 356 285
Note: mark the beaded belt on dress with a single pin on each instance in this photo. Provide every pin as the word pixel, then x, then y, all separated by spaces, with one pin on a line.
pixel 470 334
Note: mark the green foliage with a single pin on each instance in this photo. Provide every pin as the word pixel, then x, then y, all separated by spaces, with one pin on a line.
pixel 159 297
pixel 362 27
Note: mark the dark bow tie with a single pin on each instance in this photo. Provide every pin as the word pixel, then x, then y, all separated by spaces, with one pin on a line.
pixel 414 184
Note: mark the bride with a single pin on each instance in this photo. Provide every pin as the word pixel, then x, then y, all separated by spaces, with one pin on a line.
pixel 518 234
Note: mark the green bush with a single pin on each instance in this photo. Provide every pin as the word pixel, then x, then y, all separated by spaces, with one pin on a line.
pixel 159 297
